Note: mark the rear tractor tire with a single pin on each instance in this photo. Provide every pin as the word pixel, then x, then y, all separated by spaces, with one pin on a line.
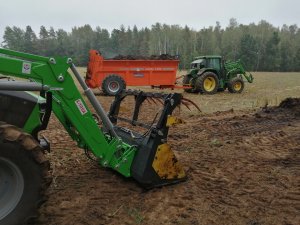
pixel 113 85
pixel 207 83
pixel 24 176
pixel 187 81
pixel 236 85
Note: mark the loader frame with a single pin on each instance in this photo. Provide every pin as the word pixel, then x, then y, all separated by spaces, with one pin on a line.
pixel 51 77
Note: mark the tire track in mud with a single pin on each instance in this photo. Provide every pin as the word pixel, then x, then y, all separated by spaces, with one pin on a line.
pixel 262 178
pixel 243 168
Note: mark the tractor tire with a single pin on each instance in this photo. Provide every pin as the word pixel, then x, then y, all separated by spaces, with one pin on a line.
pixel 236 85
pixel 113 85
pixel 186 81
pixel 24 176
pixel 207 83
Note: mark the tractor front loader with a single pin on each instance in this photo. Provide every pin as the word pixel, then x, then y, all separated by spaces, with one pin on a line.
pixel 25 109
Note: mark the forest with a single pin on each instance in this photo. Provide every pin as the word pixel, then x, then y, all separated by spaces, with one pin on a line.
pixel 261 46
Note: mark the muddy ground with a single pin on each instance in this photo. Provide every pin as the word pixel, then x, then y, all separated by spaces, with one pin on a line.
pixel 243 168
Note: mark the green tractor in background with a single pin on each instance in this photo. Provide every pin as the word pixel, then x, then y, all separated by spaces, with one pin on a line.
pixel 209 74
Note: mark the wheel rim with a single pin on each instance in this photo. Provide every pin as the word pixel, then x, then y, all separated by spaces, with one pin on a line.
pixel 209 84
pixel 113 86
pixel 11 186
pixel 237 86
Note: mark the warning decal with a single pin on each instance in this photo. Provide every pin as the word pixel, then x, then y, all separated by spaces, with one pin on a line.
pixel 26 68
pixel 81 106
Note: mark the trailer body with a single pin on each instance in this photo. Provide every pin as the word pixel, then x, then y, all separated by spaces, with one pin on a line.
pixel 154 73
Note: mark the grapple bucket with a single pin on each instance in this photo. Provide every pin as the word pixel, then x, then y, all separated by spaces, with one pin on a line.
pixel 154 164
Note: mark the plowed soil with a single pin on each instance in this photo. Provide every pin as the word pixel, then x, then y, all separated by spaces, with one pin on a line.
pixel 243 168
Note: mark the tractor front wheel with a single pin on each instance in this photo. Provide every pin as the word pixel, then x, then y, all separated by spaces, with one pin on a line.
pixel 207 83
pixel 236 85
pixel 113 85
pixel 24 176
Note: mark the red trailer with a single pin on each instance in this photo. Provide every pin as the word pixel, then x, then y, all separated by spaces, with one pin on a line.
pixel 114 75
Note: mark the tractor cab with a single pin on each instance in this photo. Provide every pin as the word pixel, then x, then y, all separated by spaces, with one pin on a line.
pixel 212 62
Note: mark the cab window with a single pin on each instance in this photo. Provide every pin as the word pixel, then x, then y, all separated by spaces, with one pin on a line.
pixel 194 66
pixel 214 63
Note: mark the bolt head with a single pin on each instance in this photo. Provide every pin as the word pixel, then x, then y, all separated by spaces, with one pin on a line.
pixel 52 60
pixel 60 78
pixel 160 133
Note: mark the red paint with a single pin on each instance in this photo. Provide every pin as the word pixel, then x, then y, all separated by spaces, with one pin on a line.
pixel 158 73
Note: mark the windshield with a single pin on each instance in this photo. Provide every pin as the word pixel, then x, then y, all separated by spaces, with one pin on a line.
pixel 196 64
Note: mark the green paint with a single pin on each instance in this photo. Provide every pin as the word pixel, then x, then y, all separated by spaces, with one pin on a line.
pixel 79 123
pixel 33 120
pixel 224 70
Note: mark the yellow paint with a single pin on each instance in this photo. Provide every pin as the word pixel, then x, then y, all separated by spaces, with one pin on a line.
pixel 237 86
pixel 209 84
pixel 173 120
pixel 166 165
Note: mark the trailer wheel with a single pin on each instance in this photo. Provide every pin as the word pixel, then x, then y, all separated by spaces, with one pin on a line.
pixel 113 85
pixel 24 176
pixel 207 83
pixel 186 81
pixel 236 85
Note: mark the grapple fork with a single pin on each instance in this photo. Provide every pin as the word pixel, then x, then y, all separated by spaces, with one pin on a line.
pixel 154 164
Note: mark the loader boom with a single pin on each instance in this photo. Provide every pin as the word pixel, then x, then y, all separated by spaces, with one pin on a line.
pixel 69 106
pixel 236 67
pixel 112 146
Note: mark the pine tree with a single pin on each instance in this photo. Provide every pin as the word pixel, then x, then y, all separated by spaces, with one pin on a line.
pixel 30 41
pixel 14 38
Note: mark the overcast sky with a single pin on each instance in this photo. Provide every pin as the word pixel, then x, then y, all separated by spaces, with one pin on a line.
pixel 111 14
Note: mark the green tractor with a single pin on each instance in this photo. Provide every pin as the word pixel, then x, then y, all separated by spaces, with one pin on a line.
pixel 47 87
pixel 209 74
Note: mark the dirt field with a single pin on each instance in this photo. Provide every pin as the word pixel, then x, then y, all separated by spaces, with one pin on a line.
pixel 243 166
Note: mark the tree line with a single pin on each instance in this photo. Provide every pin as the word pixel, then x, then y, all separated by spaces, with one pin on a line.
pixel 262 46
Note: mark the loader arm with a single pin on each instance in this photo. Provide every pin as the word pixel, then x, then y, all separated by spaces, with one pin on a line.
pixel 52 75
pixel 237 67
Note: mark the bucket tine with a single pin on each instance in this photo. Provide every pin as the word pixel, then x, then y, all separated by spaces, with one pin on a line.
pixel 160 101
pixel 148 101
pixel 152 99
pixel 193 103
pixel 186 105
